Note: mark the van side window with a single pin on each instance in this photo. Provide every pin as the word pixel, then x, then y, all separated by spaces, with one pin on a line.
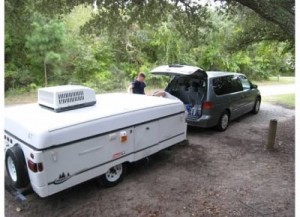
pixel 226 85
pixel 221 85
pixel 245 82
pixel 236 84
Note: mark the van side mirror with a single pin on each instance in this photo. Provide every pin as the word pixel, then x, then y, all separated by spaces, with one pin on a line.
pixel 253 86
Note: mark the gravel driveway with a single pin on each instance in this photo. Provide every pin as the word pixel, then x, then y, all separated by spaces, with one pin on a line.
pixel 216 174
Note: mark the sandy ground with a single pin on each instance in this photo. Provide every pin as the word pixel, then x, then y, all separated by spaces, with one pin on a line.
pixel 216 174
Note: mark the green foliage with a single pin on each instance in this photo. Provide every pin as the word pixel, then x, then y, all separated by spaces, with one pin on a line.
pixel 105 49
pixel 16 76
pixel 258 60
pixel 45 46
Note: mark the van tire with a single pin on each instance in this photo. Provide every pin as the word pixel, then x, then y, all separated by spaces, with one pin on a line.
pixel 256 107
pixel 223 122
pixel 113 176
pixel 16 167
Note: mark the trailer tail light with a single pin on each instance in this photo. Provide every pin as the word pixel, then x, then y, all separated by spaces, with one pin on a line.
pixel 40 167
pixel 32 166
pixel 35 167
pixel 208 105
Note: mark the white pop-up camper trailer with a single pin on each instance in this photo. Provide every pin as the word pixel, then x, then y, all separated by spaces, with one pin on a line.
pixel 72 135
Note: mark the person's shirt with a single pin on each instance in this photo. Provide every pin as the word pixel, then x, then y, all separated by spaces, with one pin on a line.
pixel 138 87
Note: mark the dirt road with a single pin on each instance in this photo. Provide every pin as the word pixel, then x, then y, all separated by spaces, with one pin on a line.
pixel 216 174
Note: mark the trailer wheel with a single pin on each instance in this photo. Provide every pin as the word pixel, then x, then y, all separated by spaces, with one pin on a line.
pixel 113 176
pixel 16 167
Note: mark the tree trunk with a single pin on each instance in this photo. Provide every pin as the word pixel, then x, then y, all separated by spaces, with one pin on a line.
pixel 45 73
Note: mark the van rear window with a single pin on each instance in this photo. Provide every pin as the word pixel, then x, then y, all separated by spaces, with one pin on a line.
pixel 227 84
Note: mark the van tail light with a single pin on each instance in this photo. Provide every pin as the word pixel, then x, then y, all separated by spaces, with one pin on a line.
pixel 35 167
pixel 208 105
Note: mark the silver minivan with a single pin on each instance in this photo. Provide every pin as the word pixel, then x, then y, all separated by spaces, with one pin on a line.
pixel 212 98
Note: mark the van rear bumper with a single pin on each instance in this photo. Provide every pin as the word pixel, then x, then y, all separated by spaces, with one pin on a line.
pixel 205 121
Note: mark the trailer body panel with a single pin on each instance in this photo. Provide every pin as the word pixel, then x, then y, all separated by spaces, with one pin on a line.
pixel 78 145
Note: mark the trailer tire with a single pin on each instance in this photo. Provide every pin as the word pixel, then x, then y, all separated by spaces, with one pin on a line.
pixel 16 167
pixel 113 176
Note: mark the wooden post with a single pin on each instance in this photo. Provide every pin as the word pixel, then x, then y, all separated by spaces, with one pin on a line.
pixel 272 134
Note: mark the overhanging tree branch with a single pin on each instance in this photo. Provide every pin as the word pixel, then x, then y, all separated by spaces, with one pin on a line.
pixel 274 11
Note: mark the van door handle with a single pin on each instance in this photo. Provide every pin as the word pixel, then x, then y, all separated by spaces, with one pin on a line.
pixel 147 128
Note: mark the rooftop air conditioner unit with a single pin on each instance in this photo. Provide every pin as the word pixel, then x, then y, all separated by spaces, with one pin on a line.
pixel 67 97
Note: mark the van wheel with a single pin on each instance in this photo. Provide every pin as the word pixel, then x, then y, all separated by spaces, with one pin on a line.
pixel 223 122
pixel 113 176
pixel 16 167
pixel 256 107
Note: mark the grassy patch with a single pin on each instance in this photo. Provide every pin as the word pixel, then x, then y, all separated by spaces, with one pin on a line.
pixel 286 100
pixel 14 98
pixel 275 81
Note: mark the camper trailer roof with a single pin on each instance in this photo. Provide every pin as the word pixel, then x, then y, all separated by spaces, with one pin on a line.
pixel 31 119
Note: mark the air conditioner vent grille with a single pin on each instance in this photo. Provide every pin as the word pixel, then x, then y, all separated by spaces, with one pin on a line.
pixel 70 97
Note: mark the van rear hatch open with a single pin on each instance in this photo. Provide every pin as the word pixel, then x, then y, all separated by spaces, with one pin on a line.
pixel 189 85
pixel 178 70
